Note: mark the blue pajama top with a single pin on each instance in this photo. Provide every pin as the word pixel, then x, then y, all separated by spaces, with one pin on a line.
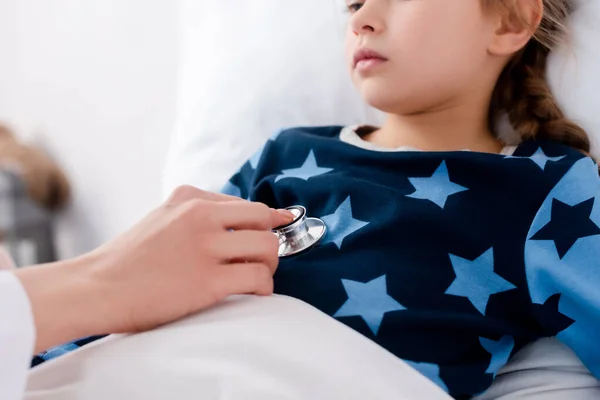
pixel 452 261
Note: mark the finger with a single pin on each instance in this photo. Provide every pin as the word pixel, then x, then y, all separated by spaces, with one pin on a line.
pixel 187 193
pixel 248 215
pixel 248 246
pixel 250 278
pixel 220 197
pixel 281 218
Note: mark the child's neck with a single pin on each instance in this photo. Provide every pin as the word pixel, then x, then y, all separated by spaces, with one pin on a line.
pixel 441 130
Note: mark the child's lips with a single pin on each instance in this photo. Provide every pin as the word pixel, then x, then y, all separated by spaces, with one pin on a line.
pixel 366 59
pixel 368 64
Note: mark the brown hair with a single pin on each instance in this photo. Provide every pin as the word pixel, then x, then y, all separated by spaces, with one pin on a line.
pixel 523 93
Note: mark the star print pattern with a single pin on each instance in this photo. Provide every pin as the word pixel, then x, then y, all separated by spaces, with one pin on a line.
pixel 255 159
pixel 564 291
pixel 549 316
pixel 499 350
pixel 307 170
pixel 568 225
pixel 431 371
pixel 436 188
pixel 341 224
pixel 369 301
pixel 539 158
pixel 454 261
pixel 232 190
pixel 476 280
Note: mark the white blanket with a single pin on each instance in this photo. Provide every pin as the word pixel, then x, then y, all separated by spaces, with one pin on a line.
pixel 247 348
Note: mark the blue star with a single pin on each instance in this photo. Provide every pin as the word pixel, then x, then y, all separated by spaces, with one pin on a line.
pixel 341 224
pixel 255 159
pixel 436 188
pixel 306 171
pixel 476 280
pixel 500 351
pixel 539 157
pixel 368 300
pixel 231 190
pixel 59 351
pixel 430 371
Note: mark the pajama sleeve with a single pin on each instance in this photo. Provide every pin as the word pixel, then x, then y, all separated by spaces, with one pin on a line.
pixel 562 260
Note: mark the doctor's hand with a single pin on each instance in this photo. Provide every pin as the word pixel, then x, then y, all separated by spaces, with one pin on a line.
pixel 192 252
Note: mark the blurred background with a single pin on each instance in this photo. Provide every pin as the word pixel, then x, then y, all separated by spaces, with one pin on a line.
pixel 91 85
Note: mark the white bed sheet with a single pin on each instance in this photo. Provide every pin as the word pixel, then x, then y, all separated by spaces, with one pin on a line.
pixel 248 348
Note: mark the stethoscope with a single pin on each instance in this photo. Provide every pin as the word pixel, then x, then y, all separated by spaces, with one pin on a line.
pixel 299 235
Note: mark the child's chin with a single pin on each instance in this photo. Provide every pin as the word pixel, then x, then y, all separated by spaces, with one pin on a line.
pixel 391 103
pixel 396 99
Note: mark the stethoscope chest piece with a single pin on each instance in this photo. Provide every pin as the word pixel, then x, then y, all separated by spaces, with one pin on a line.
pixel 299 235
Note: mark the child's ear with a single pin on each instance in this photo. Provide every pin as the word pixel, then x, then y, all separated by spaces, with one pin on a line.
pixel 516 23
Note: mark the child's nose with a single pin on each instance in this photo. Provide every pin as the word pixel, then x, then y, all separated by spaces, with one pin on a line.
pixel 367 20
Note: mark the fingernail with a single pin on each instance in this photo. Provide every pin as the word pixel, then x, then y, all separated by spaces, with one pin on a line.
pixel 287 214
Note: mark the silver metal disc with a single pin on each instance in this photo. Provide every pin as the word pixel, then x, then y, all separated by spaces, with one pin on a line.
pixel 316 230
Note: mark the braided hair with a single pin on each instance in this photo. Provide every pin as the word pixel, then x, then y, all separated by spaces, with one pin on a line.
pixel 523 93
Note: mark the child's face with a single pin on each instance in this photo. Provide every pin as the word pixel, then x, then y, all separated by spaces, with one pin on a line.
pixel 435 51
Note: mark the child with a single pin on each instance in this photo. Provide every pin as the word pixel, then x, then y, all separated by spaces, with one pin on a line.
pixel 450 243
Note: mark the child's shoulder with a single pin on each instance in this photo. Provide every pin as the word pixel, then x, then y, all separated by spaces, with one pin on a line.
pixel 554 161
pixel 542 152
pixel 548 149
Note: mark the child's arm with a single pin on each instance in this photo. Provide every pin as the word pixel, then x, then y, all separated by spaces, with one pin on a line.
pixel 562 259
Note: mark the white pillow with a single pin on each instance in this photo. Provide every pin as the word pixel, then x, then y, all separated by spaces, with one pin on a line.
pixel 252 68
pixel 573 71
